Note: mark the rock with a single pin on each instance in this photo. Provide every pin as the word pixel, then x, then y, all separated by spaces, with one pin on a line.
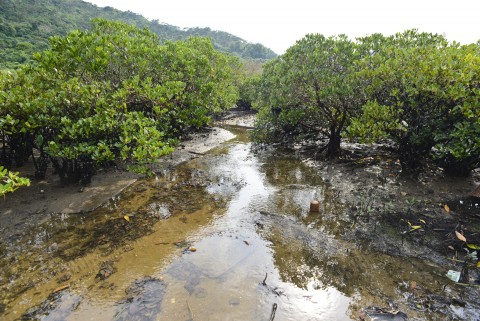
pixel 64 278
pixel 143 300
pixel 379 314
pixel 159 210
pixel 476 192
pixel 106 270
pixel 58 306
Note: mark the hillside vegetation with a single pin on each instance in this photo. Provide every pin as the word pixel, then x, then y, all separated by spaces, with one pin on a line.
pixel 27 25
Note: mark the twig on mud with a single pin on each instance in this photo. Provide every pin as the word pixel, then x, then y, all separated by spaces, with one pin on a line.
pixel 119 314
pixel 196 153
pixel 455 260
pixel 274 310
pixel 467 284
pixel 264 282
pixel 190 311
pixel 61 288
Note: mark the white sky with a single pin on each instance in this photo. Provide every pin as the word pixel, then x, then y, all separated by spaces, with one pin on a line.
pixel 278 24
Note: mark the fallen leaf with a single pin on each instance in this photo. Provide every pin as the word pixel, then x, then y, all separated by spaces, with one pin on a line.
pixel 61 288
pixel 246 242
pixel 446 208
pixel 127 218
pixel 451 248
pixel 473 246
pixel 192 249
pixel 413 285
pixel 460 236
pixel 423 221
pixel 414 228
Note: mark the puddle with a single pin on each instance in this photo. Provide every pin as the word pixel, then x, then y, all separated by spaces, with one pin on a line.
pixel 225 236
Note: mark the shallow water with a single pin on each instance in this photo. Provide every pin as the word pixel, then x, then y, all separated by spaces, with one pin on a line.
pixel 226 236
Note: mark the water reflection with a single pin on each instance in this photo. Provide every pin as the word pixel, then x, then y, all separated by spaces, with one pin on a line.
pixel 246 215
pixel 223 279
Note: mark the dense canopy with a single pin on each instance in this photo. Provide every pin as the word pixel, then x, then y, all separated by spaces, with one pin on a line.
pixel 416 89
pixel 115 93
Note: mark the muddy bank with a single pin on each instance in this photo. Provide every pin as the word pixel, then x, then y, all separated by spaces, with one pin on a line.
pixel 240 118
pixel 432 217
pixel 416 216
pixel 59 255
pixel 32 205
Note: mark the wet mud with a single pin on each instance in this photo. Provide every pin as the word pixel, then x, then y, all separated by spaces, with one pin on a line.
pixel 228 235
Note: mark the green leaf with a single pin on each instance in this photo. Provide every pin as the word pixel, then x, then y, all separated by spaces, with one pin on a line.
pixel 473 246
pixel 40 140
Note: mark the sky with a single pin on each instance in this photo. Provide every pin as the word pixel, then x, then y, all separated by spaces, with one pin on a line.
pixel 279 24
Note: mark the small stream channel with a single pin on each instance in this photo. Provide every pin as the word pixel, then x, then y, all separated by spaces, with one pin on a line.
pixel 225 236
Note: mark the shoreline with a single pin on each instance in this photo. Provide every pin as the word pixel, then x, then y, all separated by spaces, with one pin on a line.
pixel 28 206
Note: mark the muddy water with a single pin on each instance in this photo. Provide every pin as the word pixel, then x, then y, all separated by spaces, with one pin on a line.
pixel 226 236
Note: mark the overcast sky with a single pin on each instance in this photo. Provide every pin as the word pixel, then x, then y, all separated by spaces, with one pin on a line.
pixel 278 24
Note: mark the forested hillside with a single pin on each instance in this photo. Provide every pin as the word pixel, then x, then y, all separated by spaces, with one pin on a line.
pixel 26 25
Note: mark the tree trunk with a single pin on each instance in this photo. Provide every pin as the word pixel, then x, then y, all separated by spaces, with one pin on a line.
pixel 409 159
pixel 333 146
